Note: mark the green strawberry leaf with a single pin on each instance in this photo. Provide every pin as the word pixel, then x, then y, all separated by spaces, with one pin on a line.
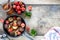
pixel 33 32
pixel 28 14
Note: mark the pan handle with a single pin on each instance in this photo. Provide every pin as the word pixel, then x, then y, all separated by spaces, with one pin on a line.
pixel 4 37
pixel 28 36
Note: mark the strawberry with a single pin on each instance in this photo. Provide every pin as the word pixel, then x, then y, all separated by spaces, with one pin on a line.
pixel 23 9
pixel 14 6
pixel 22 5
pixel 19 12
pixel 16 3
pixel 29 8
pixel 10 30
pixel 6 25
pixel 1 20
pixel 22 25
pixel 14 24
pixel 18 33
pixel 18 7
pixel 14 17
pixel 28 29
pixel 7 21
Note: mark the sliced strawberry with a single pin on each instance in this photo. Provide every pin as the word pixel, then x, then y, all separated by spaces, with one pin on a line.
pixel 7 21
pixel 14 24
pixel 10 30
pixel 22 25
pixel 19 33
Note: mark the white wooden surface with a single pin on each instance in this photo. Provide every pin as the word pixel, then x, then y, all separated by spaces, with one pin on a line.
pixel 39 12
pixel 37 1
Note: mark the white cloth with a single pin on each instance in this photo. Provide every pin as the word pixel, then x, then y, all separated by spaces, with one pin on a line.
pixel 52 34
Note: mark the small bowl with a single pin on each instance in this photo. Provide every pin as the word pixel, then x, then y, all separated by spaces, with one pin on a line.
pixel 19 5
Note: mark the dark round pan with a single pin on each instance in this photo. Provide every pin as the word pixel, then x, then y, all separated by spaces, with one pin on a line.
pixel 6 32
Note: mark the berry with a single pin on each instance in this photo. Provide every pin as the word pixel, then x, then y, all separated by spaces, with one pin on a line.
pixel 19 33
pixel 14 24
pixel 23 9
pixel 19 12
pixel 16 3
pixel 14 17
pixel 1 20
pixel 14 6
pixel 10 30
pixel 18 7
pixel 22 5
pixel 28 29
pixel 7 21
pixel 29 8
pixel 23 25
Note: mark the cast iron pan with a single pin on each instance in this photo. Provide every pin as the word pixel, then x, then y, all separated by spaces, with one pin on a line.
pixel 5 30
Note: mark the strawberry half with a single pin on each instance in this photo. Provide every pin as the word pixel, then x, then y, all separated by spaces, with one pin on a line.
pixel 7 21
pixel 10 30
pixel 22 25
pixel 18 33
pixel 14 24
